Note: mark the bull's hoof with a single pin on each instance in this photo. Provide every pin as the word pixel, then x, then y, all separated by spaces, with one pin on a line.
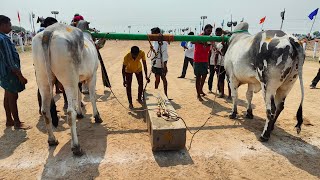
pixel 263 139
pixel 249 115
pixel 77 151
pixel 80 116
pixel 97 119
pixel 298 130
pixel 53 142
pixel 233 115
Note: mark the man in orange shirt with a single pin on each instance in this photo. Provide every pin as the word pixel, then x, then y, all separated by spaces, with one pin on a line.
pixel 132 64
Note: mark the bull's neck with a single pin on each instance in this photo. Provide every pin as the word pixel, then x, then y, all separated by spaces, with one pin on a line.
pixel 237 35
pixel 87 35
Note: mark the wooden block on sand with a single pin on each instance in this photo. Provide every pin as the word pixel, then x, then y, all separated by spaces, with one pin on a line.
pixel 165 134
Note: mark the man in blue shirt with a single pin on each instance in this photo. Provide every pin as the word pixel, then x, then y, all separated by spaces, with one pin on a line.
pixel 11 79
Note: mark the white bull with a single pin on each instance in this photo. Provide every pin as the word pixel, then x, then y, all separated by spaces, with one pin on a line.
pixel 270 60
pixel 68 54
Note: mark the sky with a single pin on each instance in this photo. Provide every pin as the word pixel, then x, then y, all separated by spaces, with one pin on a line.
pixel 142 15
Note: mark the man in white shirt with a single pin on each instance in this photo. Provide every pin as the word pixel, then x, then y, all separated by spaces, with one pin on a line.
pixel 188 57
pixel 159 61
pixel 216 63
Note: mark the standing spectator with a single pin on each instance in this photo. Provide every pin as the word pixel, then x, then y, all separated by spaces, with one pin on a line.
pixel 201 56
pixel 315 80
pixel 159 61
pixel 132 64
pixel 76 19
pixel 188 57
pixel 216 64
pixel 11 78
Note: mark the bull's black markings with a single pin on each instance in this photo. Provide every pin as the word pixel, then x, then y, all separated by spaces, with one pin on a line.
pixel 270 53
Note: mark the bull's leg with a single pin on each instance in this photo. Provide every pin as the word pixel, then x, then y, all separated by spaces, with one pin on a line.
pixel 281 95
pixel 45 111
pixel 269 97
pixel 92 93
pixel 279 100
pixel 249 96
pixel 79 108
pixel 71 93
pixel 234 84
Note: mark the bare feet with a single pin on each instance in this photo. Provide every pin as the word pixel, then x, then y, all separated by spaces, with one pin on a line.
pixel 140 101
pixel 9 123
pixel 200 98
pixel 312 86
pixel 21 125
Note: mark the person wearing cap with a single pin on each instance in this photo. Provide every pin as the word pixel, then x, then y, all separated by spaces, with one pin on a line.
pixel 159 61
pixel 76 19
pixel 132 64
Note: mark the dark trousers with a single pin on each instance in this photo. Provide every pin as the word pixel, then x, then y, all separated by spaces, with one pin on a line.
pixel 185 65
pixel 212 70
pixel 53 110
pixel 221 73
pixel 139 77
pixel 316 79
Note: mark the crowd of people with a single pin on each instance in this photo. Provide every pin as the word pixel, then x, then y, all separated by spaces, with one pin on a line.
pixel 204 56
pixel 207 57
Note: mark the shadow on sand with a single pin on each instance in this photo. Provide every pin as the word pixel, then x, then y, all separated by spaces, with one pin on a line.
pixel 299 153
pixel 10 140
pixel 64 165
pixel 172 158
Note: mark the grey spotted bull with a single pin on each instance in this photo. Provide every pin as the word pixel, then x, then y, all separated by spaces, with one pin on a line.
pixel 68 54
pixel 270 61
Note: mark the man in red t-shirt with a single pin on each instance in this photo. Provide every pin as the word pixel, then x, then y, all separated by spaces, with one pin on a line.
pixel 201 56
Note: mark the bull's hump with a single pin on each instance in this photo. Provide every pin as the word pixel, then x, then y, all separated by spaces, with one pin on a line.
pixel 269 47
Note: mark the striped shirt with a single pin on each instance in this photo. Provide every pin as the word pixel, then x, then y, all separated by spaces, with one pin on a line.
pixel 9 57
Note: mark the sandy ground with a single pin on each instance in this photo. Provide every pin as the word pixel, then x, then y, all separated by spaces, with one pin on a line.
pixel 119 148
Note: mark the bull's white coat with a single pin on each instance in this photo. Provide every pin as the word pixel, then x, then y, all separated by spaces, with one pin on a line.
pixel 242 68
pixel 60 62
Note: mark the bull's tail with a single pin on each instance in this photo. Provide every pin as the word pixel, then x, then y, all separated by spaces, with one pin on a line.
pixel 46 39
pixel 301 57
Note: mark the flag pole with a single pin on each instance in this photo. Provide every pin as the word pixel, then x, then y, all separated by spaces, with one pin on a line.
pixel 313 24
pixel 281 24
pixel 20 38
pixel 262 26
pixel 30 22
pixel 282 17
pixel 34 29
